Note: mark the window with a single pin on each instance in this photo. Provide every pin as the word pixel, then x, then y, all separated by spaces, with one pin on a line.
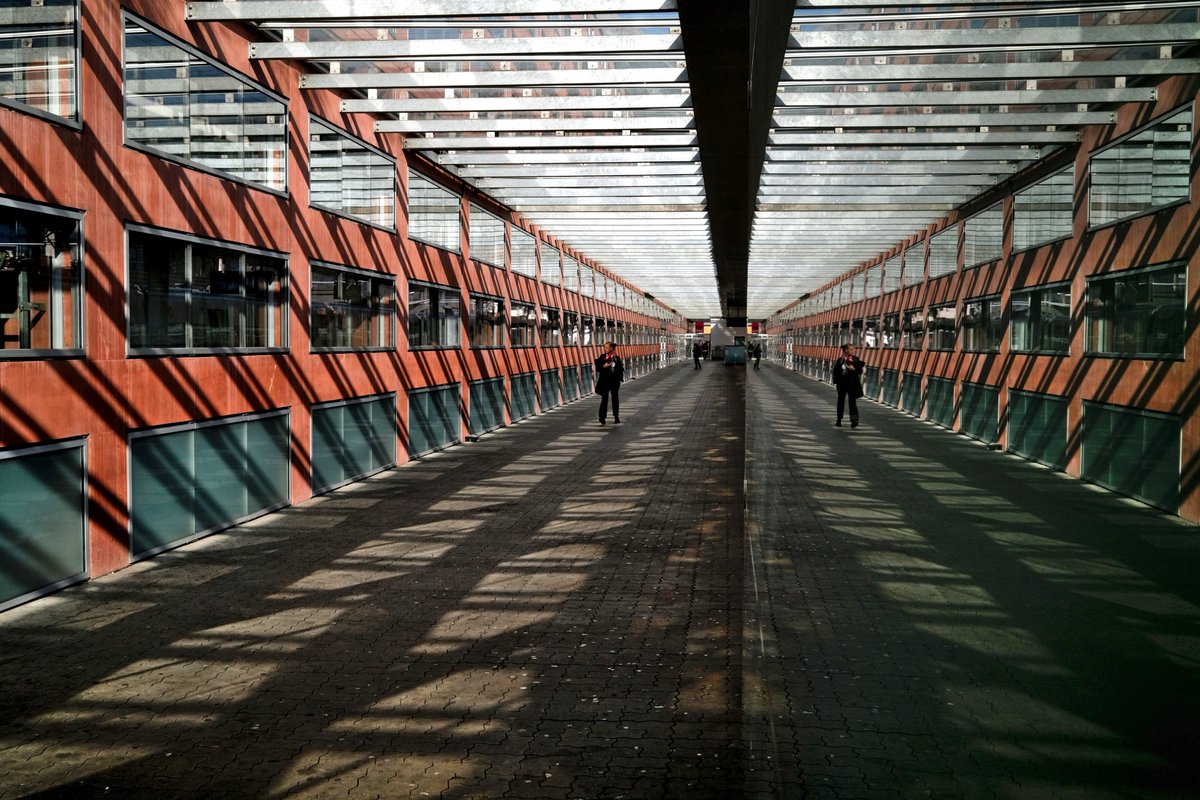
pixel 912 332
pixel 187 107
pixel 351 309
pixel 1147 170
pixel 349 177
pixel 40 279
pixel 486 237
pixel 523 325
pixel 588 330
pixel 43 520
pixel 870 333
pixel 187 293
pixel 1045 211
pixel 982 325
pixel 1041 319
pixel 487 321
pixel 434 316
pixel 983 236
pixel 1138 313
pixel 571 330
pixel 874 281
pixel 551 327
pixel 551 268
pixel 523 253
pixel 570 274
pixel 891 331
pixel 587 281
pixel 943 252
pixel 39 57
pixel 891 274
pixel 432 213
pixel 942 333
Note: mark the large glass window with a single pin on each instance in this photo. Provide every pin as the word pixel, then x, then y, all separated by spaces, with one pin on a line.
pixel 432 213
pixel 891 274
pixel 434 316
pixel 1044 211
pixel 43 525
pixel 1138 313
pixel 890 337
pixel 192 479
pixel 352 309
pixel 982 324
pixel 571 332
pixel 550 323
pixel 487 321
pixel 352 439
pixel 551 268
pixel 348 176
pixel 912 330
pixel 187 293
pixel 39 56
pixel 943 332
pixel 587 330
pixel 486 237
pixel 943 252
pixel 523 253
pixel 570 273
pixel 40 276
pixel 522 328
pixel 983 236
pixel 1147 170
pixel 1041 319
pixel 184 105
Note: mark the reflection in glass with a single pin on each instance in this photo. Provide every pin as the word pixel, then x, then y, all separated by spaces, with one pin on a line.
pixel 1143 313
pixel 348 177
pixel 40 278
pixel 39 55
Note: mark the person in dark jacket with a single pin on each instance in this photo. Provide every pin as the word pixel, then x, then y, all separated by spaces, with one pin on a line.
pixel 847 377
pixel 697 351
pixel 756 353
pixel 610 371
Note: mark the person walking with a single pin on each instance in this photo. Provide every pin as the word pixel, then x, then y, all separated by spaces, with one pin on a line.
pixel 610 371
pixel 847 377
pixel 757 353
pixel 697 351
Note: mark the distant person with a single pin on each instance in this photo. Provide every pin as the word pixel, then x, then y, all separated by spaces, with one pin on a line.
pixel 610 371
pixel 697 351
pixel 847 377
pixel 757 353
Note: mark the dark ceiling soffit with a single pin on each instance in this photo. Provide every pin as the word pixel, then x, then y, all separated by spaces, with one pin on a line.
pixel 734 59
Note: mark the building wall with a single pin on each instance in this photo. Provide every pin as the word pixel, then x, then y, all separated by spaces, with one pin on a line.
pixel 1166 386
pixel 104 394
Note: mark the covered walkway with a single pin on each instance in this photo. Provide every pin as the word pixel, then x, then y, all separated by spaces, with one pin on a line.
pixel 722 597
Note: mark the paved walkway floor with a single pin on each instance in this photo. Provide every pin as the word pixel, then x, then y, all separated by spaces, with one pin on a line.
pixel 929 618
pixel 722 597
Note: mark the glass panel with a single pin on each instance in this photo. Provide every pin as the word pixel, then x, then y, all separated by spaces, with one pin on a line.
pixel 220 474
pixel 421 331
pixel 38 55
pixel 449 311
pixel 1132 452
pixel 980 411
pixel 522 325
pixel 943 252
pixel 330 460
pixel 551 268
pixel 162 490
pixel 181 104
pixel 40 277
pixel 1145 171
pixel 350 178
pixel 983 236
pixel 1037 428
pixel 1045 211
pixel 216 295
pixel 1143 313
pixel 486 238
pixel 523 253
pixel 487 405
pixel 433 419
pixel 942 331
pixel 268 471
pixel 432 213
pixel 42 526
pixel 524 396
pixel 939 401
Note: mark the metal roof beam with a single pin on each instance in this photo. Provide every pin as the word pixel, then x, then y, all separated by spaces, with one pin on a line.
pixel 605 48
pixel 643 77
pixel 258 10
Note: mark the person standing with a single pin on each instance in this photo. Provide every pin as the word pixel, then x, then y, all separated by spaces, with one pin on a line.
pixel 610 371
pixel 697 351
pixel 757 353
pixel 847 377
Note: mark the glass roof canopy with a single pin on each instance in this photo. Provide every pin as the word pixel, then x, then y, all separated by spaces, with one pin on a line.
pixel 578 115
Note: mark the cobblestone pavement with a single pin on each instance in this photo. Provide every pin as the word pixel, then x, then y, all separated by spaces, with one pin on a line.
pixel 551 612
pixel 928 618
pixel 568 611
